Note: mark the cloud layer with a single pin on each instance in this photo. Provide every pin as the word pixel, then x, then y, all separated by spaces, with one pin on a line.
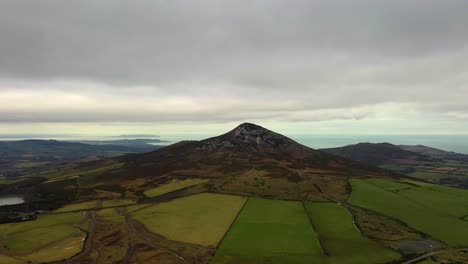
pixel 224 61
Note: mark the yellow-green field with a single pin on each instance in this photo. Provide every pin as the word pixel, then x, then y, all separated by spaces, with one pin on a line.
pixel 48 238
pixel 110 214
pixel 174 185
pixel 200 219
pixel 94 204
pixel 78 206
pixel 117 202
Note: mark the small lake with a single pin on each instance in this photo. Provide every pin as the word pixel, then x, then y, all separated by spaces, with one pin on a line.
pixel 11 199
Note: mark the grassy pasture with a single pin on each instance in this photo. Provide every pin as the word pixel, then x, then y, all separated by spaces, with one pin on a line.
pixel 10 260
pixel 433 209
pixel 60 250
pixel 340 238
pixel 117 202
pixel 78 206
pixel 110 214
pixel 94 204
pixel 200 219
pixel 47 229
pixel 174 185
pixel 270 231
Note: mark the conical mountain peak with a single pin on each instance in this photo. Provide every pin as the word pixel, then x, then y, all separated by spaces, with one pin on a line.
pixel 258 136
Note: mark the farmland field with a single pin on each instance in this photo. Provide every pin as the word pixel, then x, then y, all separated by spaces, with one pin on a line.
pixel 117 202
pixel 201 219
pixel 340 238
pixel 48 238
pixel 94 204
pixel 173 186
pixel 110 214
pixel 270 231
pixel 432 209
pixel 78 206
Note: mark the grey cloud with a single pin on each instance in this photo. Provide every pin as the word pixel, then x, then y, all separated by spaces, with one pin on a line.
pixel 318 54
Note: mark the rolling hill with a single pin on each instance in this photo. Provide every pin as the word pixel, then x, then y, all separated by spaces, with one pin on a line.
pixel 431 164
pixel 21 157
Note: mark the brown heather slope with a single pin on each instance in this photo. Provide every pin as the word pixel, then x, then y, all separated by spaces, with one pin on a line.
pixel 249 160
pixel 246 147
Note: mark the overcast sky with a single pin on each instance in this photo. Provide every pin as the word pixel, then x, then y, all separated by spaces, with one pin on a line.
pixel 114 67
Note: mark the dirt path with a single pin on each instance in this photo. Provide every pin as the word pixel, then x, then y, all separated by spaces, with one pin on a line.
pixel 429 254
pixel 342 205
pixel 146 236
pixel 88 243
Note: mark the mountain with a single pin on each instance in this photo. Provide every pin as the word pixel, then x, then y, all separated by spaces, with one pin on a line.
pixel 380 153
pixel 418 161
pixel 249 159
pixel 435 153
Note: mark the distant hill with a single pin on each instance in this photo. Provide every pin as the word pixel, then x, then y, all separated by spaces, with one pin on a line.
pixel 436 153
pixel 19 157
pixel 137 142
pixel 379 153
pixel 418 161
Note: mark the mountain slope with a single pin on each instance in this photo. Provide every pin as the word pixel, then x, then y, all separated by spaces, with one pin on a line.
pixel 20 157
pixel 247 160
pixel 436 153
pixel 379 153
pixel 421 162
pixel 245 147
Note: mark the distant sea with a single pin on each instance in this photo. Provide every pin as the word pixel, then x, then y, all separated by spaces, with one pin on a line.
pixel 457 143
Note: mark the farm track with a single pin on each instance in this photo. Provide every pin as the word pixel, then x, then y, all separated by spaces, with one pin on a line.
pixel 322 247
pixel 429 254
pixel 156 241
pixel 345 206
pixel 147 238
pixel 88 243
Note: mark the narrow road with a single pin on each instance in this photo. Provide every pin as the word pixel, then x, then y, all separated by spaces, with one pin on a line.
pixel 145 238
pixel 342 205
pixel 429 254
pixel 89 240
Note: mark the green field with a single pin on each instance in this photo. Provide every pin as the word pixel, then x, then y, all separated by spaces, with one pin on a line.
pixel 422 174
pixel 117 202
pixel 173 186
pixel 340 238
pixel 433 209
pixel 94 204
pixel 201 219
pixel 30 235
pixel 78 206
pixel 270 231
pixel 110 214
